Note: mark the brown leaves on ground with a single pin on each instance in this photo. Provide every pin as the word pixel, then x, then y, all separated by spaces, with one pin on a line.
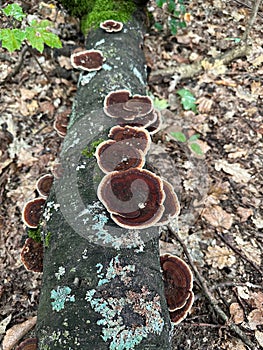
pixel 218 217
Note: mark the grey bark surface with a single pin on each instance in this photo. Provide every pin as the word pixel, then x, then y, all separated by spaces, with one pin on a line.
pixel 102 284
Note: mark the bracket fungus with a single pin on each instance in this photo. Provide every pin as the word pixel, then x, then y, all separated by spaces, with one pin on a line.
pixel 132 136
pixel 178 284
pixel 28 344
pixel 118 156
pixel 121 104
pixel 88 60
pixel 61 123
pixel 32 212
pixel 111 26
pixel 133 197
pixel 171 204
pixel 32 255
pixel 44 184
pixel 155 125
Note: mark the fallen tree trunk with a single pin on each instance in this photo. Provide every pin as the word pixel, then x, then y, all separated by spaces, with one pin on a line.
pixel 102 285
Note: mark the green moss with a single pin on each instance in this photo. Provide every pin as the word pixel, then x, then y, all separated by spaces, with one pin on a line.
pixel 78 8
pixel 119 10
pixel 89 151
pixel 35 234
pixel 47 239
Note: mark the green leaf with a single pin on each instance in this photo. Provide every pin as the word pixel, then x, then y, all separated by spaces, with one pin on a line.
pixel 194 137
pixel 160 103
pixel 196 148
pixel 173 25
pixel 179 136
pixel 171 6
pixel 182 24
pixel 14 10
pixel 187 100
pixel 158 26
pixel 160 3
pixel 38 35
pixel 12 39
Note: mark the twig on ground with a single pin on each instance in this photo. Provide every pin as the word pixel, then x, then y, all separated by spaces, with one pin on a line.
pixel 219 312
pixel 238 252
pixel 251 20
pixel 38 63
pixel 246 5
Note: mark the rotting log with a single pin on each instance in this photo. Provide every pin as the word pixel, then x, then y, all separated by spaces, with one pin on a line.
pixel 102 284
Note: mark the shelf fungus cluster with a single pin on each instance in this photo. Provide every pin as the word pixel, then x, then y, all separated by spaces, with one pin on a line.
pixel 111 26
pixel 32 251
pixel 178 284
pixel 88 60
pixel 61 122
pixel 135 197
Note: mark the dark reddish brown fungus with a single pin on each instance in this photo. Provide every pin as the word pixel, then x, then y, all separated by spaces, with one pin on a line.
pixel 61 122
pixel 132 136
pixel 140 122
pixel 179 315
pixel 133 197
pixel 118 156
pixel 89 60
pixel 171 204
pixel 28 344
pixel 32 255
pixel 178 281
pixel 155 126
pixel 44 184
pixel 32 212
pixel 111 26
pixel 140 105
pixel 114 101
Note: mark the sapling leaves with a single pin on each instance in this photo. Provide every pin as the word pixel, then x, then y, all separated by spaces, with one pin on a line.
pixel 196 148
pixel 12 39
pixel 15 11
pixel 179 136
pixel 188 100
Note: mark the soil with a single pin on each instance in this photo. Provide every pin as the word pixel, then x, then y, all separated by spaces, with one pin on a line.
pixel 219 183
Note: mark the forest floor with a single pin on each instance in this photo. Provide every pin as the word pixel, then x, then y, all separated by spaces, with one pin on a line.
pixel 220 190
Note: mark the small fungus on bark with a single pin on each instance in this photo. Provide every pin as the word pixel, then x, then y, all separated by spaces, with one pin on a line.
pixel 88 60
pixel 134 197
pixel 178 284
pixel 61 123
pixel 133 136
pixel 28 344
pixel 171 204
pixel 118 156
pixel 120 104
pixel 140 122
pixel 32 255
pixel 44 184
pixel 155 126
pixel 32 212
pixel 111 26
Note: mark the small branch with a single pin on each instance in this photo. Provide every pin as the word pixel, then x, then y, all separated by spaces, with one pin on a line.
pixel 238 252
pixel 189 70
pixel 38 63
pixel 219 312
pixel 246 5
pixel 251 20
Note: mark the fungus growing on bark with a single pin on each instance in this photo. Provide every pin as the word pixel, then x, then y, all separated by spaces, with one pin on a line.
pixel 89 60
pixel 61 123
pixel 32 212
pixel 111 26
pixel 134 197
pixel 118 156
pixel 171 204
pixel 140 122
pixel 28 344
pixel 32 255
pixel 155 126
pixel 178 284
pixel 120 104
pixel 44 184
pixel 133 136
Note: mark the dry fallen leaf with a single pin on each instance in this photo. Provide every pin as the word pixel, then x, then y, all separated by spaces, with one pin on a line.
pixel 259 337
pixel 4 323
pixel 219 257
pixel 204 104
pixel 236 312
pixel 14 334
pixel 218 217
pixel 244 213
pixel 239 174
pixel 250 250
pixel 255 318
pixel 258 222
pixel 243 292
pixel 256 300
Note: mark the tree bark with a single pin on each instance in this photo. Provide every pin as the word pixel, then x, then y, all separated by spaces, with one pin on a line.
pixel 102 284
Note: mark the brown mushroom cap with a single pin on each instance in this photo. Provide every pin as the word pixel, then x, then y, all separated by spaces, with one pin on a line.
pixel 178 281
pixel 44 184
pixel 32 212
pixel 155 126
pixel 119 104
pixel 118 156
pixel 111 26
pixel 133 136
pixel 171 204
pixel 89 60
pixel 133 197
pixel 32 255
pixel 179 315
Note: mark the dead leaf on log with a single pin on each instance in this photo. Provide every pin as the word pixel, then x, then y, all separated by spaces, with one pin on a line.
pixel 236 312
pixel 239 174
pixel 219 257
pixel 218 217
pixel 14 334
